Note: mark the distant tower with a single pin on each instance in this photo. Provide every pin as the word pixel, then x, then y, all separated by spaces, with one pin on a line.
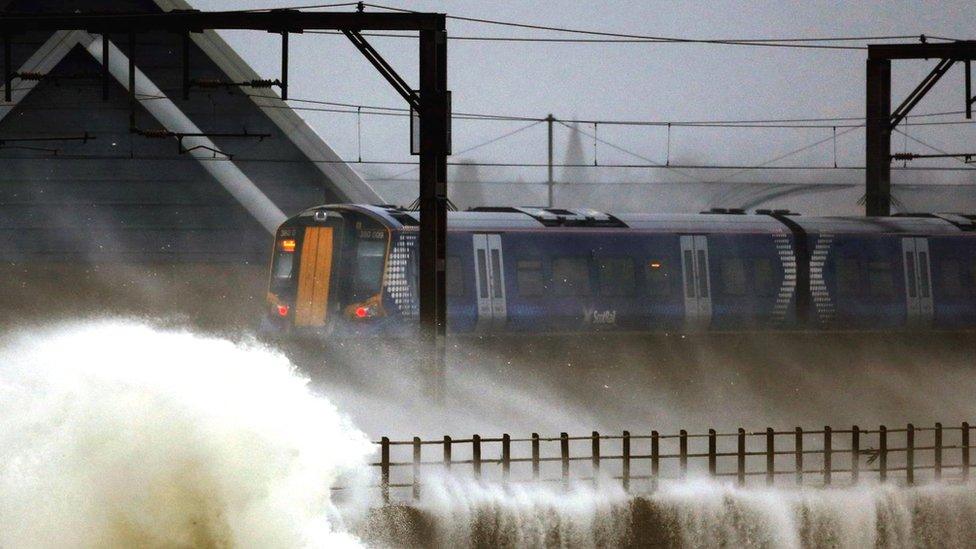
pixel 466 187
pixel 576 156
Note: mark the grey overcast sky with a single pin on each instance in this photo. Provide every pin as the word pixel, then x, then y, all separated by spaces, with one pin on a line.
pixel 635 81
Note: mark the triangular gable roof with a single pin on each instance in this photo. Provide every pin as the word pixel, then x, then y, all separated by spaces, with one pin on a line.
pixel 163 110
pixel 347 184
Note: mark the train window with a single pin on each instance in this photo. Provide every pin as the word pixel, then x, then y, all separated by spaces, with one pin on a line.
pixel 617 276
pixel 733 276
pixel 881 279
pixel 658 278
pixel 848 271
pixel 368 276
pixel 455 277
pixel 571 276
pixel 284 263
pixel 951 278
pixel 528 277
pixel 764 278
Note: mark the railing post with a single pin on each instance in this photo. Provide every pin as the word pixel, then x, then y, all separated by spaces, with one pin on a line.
pixel 683 452
pixel 447 452
pixel 626 461
pixel 770 456
pixel 535 456
pixel 965 451
pixel 712 458
pixel 595 459
pixel 741 457
pixel 883 453
pixel 798 453
pixel 938 451
pixel 385 469
pixel 476 455
pixel 564 455
pixel 910 455
pixel 855 454
pixel 655 458
pixel 506 457
pixel 416 467
pixel 827 450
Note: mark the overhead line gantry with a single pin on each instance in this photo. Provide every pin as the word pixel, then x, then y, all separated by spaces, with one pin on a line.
pixel 881 121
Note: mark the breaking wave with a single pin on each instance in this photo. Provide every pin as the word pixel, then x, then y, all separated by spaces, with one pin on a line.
pixel 119 434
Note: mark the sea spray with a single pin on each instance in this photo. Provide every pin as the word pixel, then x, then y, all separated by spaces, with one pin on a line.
pixel 464 512
pixel 119 434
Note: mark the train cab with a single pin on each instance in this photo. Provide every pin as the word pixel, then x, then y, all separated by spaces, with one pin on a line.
pixel 327 271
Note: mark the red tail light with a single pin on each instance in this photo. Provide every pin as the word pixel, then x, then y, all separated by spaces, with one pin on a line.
pixel 282 310
pixel 362 312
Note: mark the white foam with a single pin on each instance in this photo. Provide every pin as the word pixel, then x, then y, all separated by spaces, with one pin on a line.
pixel 118 434
pixel 697 513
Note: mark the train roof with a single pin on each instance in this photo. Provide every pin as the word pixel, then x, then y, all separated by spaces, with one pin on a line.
pixel 763 221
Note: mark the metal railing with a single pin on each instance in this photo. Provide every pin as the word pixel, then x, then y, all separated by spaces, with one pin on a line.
pixel 821 457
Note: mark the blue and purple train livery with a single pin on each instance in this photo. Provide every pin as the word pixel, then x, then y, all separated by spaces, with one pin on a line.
pixel 343 270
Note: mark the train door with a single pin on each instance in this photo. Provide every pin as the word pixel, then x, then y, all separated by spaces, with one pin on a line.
pixel 697 286
pixel 490 281
pixel 918 280
pixel 314 275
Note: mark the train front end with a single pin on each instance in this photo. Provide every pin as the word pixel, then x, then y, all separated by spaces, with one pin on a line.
pixel 337 271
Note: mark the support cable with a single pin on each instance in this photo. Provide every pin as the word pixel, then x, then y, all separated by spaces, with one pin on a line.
pixel 942 153
pixel 785 155
pixel 480 145
pixel 625 151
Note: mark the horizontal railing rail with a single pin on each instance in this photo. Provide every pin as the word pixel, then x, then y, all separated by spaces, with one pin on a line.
pixel 819 457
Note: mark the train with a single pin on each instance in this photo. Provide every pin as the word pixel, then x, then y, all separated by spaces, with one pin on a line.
pixel 346 270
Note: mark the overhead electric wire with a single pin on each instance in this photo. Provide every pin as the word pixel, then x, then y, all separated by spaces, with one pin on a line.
pixel 788 154
pixel 787 42
pixel 531 39
pixel 934 148
pixel 480 145
pixel 239 159
pixel 626 151
pixel 616 37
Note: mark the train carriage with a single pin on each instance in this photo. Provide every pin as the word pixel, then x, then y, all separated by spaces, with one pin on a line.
pixel 347 270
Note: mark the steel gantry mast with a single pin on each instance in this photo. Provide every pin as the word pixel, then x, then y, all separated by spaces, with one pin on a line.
pixel 880 121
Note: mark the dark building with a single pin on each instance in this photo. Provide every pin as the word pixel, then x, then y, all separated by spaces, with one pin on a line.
pixel 124 196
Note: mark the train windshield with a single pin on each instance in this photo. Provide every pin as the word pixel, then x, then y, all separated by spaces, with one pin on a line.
pixel 367 242
pixel 368 275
